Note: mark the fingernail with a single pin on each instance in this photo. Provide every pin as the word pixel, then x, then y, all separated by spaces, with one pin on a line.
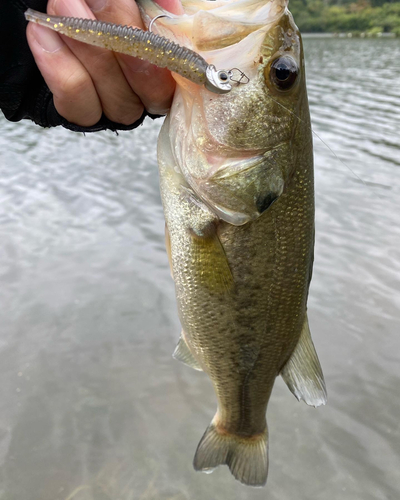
pixel 72 8
pixel 96 5
pixel 47 39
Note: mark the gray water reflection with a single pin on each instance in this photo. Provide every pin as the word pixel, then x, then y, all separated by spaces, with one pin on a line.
pixel 91 404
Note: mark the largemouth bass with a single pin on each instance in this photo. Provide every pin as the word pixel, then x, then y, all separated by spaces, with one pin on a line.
pixel 236 175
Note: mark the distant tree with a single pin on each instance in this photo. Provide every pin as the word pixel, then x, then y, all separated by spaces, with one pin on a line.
pixel 370 16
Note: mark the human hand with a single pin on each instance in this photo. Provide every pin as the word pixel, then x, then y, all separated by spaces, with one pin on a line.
pixel 87 81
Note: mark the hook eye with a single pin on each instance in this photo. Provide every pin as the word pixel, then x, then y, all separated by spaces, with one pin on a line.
pixel 224 76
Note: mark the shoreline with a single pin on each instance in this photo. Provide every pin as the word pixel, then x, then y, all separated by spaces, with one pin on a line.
pixel 350 34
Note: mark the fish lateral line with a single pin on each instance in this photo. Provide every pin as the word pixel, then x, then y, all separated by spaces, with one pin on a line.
pixel 145 45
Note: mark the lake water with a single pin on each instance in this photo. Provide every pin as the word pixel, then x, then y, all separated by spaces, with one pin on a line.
pixel 93 407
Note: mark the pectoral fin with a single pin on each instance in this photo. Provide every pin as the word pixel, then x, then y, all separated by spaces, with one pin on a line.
pixel 303 374
pixel 182 353
pixel 211 264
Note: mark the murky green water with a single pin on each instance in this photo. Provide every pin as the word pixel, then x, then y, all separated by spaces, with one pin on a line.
pixel 93 407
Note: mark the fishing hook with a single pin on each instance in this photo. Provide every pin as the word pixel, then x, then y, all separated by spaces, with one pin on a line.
pixel 155 19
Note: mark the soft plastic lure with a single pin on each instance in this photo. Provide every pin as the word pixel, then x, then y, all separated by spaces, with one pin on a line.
pixel 145 45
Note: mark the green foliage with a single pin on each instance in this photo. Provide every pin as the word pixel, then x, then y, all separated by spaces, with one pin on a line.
pixel 364 16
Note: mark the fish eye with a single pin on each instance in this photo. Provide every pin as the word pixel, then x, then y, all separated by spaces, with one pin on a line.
pixel 283 72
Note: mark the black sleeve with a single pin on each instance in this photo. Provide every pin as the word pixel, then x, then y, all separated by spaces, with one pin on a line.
pixel 23 92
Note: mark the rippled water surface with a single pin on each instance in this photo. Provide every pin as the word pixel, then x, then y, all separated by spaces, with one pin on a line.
pixel 92 406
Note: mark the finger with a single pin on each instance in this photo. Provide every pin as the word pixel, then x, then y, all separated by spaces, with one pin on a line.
pixel 119 102
pixel 74 94
pixel 173 6
pixel 155 86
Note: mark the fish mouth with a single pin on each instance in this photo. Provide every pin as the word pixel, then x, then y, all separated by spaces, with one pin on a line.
pixel 249 11
pixel 237 176
pixel 207 25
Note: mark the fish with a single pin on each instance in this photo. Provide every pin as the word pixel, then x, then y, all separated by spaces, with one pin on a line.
pixel 236 180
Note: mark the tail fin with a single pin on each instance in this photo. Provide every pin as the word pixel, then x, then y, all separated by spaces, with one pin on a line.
pixel 246 456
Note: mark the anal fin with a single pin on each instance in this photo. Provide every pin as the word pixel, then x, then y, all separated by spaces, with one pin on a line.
pixel 182 353
pixel 302 372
